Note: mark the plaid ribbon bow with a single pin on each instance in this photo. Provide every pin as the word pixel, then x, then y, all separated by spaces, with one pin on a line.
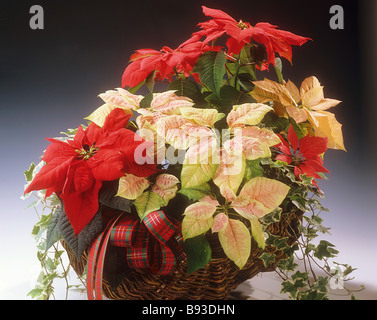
pixel 155 243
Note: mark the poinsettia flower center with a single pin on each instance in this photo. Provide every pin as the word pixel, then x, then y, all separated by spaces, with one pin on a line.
pixel 86 152
pixel 242 25
pixel 297 159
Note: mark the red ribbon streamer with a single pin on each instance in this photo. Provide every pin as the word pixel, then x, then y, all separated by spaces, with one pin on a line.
pixel 155 244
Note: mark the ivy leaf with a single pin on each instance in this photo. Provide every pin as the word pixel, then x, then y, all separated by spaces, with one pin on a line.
pixel 321 284
pixel 198 252
pixel 267 258
pixel 35 293
pixel 298 201
pixel 292 287
pixel 272 217
pixel 287 264
pixel 211 69
pixel 29 173
pixel 53 232
pixel 325 249
pixel 313 295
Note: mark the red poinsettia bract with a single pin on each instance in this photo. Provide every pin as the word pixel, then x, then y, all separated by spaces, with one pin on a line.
pixel 241 33
pixel 165 62
pixel 75 169
pixel 304 154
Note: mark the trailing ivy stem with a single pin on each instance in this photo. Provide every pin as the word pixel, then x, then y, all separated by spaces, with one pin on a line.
pixel 65 273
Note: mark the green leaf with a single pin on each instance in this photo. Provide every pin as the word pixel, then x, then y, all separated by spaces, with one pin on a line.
pixel 272 217
pixel 53 232
pixel 298 201
pixel 245 82
pixel 235 239
pixel 148 202
pixel 187 88
pixel 33 204
pixel 211 69
pixel 281 243
pixel 193 227
pixel 29 173
pixel 49 263
pixel 325 249
pixel 35 293
pixel 287 264
pixel 267 258
pixel 196 193
pixel 195 175
pixel 292 287
pixel 257 233
pixel 229 96
pixel 321 284
pixel 198 252
pixel 149 81
pixel 146 101
pixel 279 70
pixel 247 58
pixel 289 287
pixel 298 129
pixel 313 295
pixel 253 169
pixel 274 122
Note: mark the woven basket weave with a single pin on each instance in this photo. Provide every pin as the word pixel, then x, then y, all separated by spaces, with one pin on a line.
pixel 212 282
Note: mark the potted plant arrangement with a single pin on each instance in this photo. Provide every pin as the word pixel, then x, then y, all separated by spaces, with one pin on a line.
pixel 198 185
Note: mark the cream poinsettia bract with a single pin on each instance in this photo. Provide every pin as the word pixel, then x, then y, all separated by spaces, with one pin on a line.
pixel 257 198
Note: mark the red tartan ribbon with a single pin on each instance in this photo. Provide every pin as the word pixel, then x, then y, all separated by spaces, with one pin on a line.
pixel 155 243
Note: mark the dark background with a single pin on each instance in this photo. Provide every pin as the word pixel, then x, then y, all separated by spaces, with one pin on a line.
pixel 50 79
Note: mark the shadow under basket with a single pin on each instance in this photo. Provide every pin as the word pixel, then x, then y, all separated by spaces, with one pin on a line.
pixel 212 282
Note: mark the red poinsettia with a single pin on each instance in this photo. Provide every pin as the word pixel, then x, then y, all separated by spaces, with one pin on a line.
pixel 75 169
pixel 241 33
pixel 304 154
pixel 165 62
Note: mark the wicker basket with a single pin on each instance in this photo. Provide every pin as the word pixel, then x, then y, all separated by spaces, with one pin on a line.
pixel 212 282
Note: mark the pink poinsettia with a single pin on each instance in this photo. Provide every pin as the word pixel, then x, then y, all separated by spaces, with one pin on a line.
pixel 304 154
pixel 75 169
pixel 241 33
